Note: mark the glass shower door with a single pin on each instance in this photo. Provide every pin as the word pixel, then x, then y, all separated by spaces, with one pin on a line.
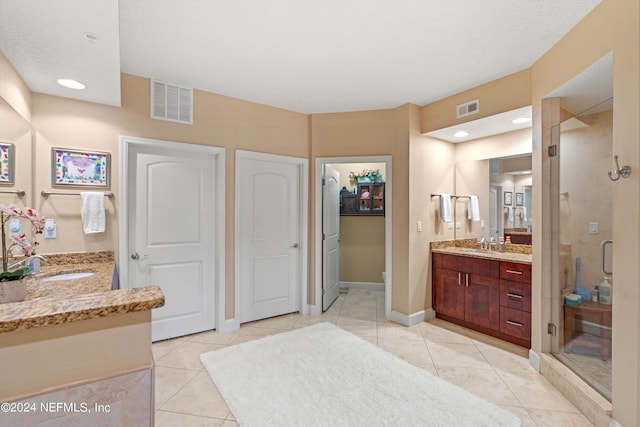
pixel 582 229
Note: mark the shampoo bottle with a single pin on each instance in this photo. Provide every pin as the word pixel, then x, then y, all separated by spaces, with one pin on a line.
pixel 605 291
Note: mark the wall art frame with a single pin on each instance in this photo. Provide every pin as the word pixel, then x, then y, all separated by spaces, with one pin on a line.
pixel 7 162
pixel 80 167
pixel 508 198
pixel 519 199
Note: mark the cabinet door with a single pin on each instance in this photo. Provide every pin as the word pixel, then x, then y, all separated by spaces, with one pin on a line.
pixel 482 300
pixel 449 292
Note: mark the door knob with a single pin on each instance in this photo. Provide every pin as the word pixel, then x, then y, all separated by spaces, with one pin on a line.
pixel 295 245
pixel 136 256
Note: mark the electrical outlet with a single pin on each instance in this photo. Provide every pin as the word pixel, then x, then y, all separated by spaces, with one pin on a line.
pixel 419 225
pixel 594 228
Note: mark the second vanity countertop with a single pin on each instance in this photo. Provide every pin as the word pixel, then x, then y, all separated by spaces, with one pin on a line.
pixel 473 251
pixel 65 301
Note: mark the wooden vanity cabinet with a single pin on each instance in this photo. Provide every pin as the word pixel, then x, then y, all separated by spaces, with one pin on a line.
pixel 515 300
pixel 493 297
pixel 467 289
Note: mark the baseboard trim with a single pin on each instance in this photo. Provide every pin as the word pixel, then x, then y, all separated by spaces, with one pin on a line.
pixel 229 325
pixel 363 285
pixel 414 318
pixel 534 360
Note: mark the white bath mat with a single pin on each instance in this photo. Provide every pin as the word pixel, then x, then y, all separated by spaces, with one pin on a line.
pixel 322 375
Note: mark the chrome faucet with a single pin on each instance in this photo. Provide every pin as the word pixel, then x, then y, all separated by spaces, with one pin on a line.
pixel 23 261
pixel 484 245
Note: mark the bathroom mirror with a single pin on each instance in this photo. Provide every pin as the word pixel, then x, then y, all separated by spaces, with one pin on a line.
pixel 504 189
pixel 17 132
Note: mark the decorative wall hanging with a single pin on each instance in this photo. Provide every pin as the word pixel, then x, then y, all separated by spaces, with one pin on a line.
pixel 508 198
pixel 72 167
pixel 7 159
pixel 519 199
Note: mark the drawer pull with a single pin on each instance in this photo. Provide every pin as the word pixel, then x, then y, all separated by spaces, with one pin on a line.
pixel 510 295
pixel 514 272
pixel 519 325
pixel 459 278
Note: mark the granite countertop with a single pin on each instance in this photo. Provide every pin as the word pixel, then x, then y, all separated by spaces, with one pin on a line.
pixel 65 301
pixel 513 253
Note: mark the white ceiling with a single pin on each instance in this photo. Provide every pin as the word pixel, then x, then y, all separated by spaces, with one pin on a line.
pixel 308 56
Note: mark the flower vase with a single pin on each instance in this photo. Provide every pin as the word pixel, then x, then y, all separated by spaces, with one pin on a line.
pixel 13 290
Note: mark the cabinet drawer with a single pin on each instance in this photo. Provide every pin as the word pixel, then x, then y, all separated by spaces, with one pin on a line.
pixel 516 323
pixel 515 271
pixel 483 267
pixel 449 262
pixel 515 295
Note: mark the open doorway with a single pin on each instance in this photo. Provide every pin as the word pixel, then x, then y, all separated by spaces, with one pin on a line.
pixel 364 262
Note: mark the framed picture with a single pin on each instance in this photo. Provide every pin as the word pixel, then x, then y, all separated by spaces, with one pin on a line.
pixel 508 198
pixel 519 199
pixel 87 168
pixel 7 160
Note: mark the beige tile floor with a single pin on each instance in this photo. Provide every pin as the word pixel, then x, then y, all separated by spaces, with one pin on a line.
pixel 494 370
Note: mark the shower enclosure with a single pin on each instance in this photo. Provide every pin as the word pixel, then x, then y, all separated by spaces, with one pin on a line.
pixel 582 211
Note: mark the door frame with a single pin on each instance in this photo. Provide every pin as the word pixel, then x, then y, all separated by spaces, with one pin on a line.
pixel 303 168
pixel 218 154
pixel 316 309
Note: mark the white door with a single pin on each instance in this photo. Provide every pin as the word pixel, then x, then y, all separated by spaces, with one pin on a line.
pixel 494 213
pixel 268 215
pixel 330 236
pixel 171 235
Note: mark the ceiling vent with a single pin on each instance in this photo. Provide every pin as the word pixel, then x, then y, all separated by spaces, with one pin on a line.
pixel 468 108
pixel 171 102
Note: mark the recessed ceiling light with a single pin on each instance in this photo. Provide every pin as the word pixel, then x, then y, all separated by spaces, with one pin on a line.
pixel 71 84
pixel 520 120
pixel 461 134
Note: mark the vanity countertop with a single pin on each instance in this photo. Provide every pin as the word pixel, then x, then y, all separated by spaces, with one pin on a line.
pixel 472 251
pixel 65 301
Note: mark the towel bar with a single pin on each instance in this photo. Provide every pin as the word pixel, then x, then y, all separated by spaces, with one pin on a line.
pixel 20 193
pixel 46 194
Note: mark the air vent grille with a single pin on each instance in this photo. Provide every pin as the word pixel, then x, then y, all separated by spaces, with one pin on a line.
pixel 468 108
pixel 171 102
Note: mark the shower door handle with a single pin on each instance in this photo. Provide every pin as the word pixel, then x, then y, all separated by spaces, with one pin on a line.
pixel 603 252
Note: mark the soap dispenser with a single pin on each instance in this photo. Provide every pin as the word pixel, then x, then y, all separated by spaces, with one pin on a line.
pixel 605 291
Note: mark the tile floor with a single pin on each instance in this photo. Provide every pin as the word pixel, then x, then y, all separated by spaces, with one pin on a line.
pixel 497 371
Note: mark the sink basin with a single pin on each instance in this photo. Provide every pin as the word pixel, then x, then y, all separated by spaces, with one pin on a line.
pixel 67 276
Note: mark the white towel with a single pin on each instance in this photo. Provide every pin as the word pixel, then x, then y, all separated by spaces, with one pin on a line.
pixel 510 213
pixel 445 207
pixel 474 208
pixel 92 212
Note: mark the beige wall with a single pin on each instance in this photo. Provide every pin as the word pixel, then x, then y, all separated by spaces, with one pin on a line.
pixel 372 133
pixel 585 158
pixel 219 121
pixel 362 249
pixel 505 94
pixel 66 123
pixel 431 172
pixel 614 25
pixel 13 89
